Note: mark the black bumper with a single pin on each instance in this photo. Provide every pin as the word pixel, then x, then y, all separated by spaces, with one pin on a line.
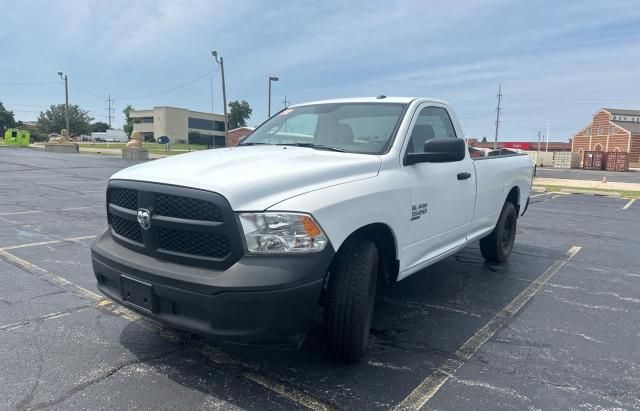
pixel 259 299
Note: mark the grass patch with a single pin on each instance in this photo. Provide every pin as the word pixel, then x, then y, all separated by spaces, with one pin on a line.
pixel 560 189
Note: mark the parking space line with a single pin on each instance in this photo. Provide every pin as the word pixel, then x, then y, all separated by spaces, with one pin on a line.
pixel 47 276
pixel 626 206
pixel 285 391
pixel 22 212
pixel 432 384
pixel 82 208
pixel 539 195
pixel 215 355
pixel 48 211
pixel 13 247
pixel 85 237
pixel 73 239
pixel 45 317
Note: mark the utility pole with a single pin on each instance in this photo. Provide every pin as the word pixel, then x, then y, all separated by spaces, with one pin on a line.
pixel 66 104
pixel 271 78
pixel 286 102
pixel 547 147
pixel 110 110
pixel 495 140
pixel 224 97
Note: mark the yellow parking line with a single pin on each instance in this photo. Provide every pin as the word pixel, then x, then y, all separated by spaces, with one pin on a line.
pixel 432 384
pixel 287 392
pixel 53 278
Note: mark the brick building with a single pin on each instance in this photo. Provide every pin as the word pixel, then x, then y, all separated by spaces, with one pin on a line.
pixel 611 130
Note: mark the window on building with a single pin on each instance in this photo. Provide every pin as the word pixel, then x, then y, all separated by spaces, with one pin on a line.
pixel 599 131
pixel 589 131
pixel 218 141
pixel 598 147
pixel 205 124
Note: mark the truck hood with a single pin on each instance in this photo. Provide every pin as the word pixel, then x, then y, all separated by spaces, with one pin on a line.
pixel 254 178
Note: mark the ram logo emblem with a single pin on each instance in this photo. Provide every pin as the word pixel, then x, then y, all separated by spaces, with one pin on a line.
pixel 144 218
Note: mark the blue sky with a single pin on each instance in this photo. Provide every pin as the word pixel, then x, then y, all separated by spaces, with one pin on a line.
pixel 556 60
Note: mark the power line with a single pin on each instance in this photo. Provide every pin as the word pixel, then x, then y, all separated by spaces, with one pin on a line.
pixel 87 92
pixel 25 83
pixel 188 83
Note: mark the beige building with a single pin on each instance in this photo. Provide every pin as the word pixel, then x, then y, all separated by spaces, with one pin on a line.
pixel 180 125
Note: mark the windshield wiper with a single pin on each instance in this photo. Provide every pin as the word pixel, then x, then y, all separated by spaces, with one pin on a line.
pixel 316 146
pixel 253 143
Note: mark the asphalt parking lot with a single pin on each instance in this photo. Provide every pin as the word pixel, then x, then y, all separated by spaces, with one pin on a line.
pixel 555 328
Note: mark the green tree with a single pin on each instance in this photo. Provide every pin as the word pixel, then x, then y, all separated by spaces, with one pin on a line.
pixel 239 113
pixel 128 125
pixel 7 120
pixel 484 139
pixel 99 127
pixel 53 120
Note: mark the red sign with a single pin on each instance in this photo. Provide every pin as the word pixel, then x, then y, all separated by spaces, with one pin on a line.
pixel 518 145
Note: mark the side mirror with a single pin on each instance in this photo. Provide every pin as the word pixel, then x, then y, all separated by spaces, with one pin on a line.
pixel 439 150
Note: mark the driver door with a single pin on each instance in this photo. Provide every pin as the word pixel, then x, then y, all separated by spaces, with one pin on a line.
pixel 443 194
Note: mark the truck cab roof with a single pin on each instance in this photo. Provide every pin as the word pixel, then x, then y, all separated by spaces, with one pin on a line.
pixel 385 99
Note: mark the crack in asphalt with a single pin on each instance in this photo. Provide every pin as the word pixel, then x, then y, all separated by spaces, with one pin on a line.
pixel 80 387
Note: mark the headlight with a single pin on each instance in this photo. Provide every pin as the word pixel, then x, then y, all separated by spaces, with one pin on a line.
pixel 282 233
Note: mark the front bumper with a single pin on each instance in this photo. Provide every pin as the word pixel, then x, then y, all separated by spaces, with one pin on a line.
pixel 259 299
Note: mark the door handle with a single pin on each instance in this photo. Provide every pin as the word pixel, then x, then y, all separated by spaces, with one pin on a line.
pixel 464 176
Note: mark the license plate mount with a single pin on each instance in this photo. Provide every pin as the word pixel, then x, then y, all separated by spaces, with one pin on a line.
pixel 137 293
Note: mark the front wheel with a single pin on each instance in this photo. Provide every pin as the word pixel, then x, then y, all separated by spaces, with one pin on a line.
pixel 350 298
pixel 497 246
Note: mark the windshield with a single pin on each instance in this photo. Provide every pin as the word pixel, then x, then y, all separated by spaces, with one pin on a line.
pixel 366 128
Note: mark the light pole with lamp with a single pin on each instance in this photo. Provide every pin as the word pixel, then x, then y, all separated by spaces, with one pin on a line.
pixel 220 61
pixel 271 78
pixel 66 106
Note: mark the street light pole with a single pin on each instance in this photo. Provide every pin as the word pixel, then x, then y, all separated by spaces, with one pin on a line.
pixel 547 146
pixel 224 97
pixel 66 104
pixel 271 78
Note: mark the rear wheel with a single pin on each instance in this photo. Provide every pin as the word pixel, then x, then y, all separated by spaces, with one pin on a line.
pixel 497 246
pixel 350 299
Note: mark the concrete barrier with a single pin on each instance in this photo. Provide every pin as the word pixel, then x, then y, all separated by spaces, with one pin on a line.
pixel 61 148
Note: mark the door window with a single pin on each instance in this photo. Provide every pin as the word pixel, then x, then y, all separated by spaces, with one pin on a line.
pixel 432 122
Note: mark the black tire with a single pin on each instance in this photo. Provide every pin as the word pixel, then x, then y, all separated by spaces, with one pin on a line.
pixel 497 246
pixel 349 300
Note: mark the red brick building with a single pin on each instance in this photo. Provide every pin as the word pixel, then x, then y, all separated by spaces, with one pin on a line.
pixel 237 134
pixel 611 130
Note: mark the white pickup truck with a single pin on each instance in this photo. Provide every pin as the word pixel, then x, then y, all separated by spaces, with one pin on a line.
pixel 314 208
